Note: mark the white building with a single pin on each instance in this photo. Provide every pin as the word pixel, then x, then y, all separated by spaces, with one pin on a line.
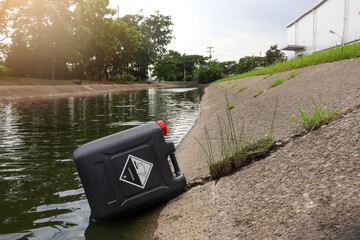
pixel 327 24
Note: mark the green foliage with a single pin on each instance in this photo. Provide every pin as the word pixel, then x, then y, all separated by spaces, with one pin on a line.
pixel 156 34
pixel 125 77
pixel 228 67
pixel 190 63
pixel 259 92
pixel 248 63
pixel 40 37
pixel 93 37
pixel 79 38
pixel 274 55
pixel 252 150
pixel 243 88
pixel 208 73
pixel 330 55
pixel 168 68
pixel 173 66
pixel 277 82
pixel 311 121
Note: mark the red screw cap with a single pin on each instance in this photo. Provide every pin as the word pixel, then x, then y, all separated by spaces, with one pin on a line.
pixel 162 126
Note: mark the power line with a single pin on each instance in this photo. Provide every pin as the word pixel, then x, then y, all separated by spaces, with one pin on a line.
pixel 210 49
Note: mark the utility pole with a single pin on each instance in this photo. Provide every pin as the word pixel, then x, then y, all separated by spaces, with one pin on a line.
pixel 210 50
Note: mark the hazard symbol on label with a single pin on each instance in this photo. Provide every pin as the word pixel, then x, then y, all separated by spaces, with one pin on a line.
pixel 136 171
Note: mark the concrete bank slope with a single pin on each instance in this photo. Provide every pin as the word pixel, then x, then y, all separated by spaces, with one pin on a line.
pixel 308 189
pixel 39 92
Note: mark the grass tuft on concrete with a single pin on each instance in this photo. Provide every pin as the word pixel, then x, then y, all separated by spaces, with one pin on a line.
pixel 242 88
pixel 277 82
pixel 237 149
pixel 292 75
pixel 311 121
pixel 259 92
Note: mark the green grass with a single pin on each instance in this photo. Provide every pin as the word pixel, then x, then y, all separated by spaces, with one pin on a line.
pixel 259 92
pixel 329 55
pixel 311 121
pixel 277 82
pixel 236 148
pixel 243 88
pixel 293 74
pixel 252 150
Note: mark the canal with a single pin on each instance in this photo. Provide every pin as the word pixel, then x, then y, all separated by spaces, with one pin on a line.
pixel 41 196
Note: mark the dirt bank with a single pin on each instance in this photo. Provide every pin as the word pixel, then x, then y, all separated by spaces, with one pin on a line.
pixel 307 189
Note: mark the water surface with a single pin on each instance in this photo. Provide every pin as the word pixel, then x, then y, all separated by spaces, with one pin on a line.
pixel 41 196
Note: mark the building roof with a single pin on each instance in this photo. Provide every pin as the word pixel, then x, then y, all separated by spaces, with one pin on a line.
pixel 320 2
pixel 293 48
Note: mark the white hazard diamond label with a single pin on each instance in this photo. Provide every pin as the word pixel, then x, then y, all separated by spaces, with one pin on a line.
pixel 136 171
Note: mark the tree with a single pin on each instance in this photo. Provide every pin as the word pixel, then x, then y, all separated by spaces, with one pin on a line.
pixel 48 40
pixel 92 35
pixel 188 64
pixel 209 73
pixel 7 14
pixel 274 55
pixel 168 68
pixel 6 7
pixel 125 43
pixel 39 29
pixel 174 66
pixel 228 67
pixel 248 63
pixel 156 34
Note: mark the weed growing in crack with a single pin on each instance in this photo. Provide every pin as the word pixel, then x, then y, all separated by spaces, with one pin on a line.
pixel 277 82
pixel 208 152
pixel 237 149
pixel 293 74
pixel 243 88
pixel 311 121
pixel 259 92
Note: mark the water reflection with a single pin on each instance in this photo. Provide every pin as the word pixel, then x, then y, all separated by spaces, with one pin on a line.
pixel 41 195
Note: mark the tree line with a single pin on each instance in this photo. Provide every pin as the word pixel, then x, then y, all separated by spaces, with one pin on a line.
pixel 176 67
pixel 82 39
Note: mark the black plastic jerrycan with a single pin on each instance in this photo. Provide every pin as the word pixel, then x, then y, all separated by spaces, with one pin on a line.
pixel 129 171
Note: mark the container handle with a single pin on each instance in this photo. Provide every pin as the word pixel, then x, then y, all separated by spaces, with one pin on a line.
pixel 175 164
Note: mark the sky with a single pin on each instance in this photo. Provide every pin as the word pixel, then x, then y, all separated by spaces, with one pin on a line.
pixel 234 28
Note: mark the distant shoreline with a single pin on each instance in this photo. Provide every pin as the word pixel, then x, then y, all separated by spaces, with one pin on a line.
pixel 39 92
pixel 19 90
